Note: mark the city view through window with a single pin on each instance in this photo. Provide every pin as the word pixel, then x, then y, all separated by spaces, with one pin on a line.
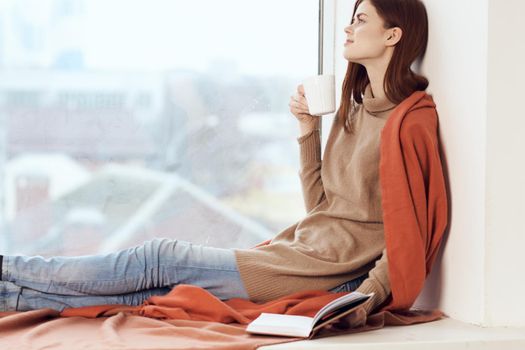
pixel 122 121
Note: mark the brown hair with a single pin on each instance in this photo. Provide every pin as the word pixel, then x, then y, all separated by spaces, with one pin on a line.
pixel 400 81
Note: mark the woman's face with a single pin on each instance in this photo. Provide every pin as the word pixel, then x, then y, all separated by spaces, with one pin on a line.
pixel 370 39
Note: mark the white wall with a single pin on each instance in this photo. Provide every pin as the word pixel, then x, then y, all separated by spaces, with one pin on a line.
pixel 456 65
pixel 472 63
pixel 505 164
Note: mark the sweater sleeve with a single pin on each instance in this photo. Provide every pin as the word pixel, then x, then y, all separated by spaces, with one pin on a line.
pixel 377 282
pixel 310 169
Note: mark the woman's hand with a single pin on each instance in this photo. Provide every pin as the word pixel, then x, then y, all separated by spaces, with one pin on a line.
pixel 299 108
pixel 357 318
pixel 354 320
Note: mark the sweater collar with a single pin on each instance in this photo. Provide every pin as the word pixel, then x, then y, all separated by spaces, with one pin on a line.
pixel 376 105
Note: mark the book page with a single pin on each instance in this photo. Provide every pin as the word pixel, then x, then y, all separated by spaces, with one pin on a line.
pixel 277 324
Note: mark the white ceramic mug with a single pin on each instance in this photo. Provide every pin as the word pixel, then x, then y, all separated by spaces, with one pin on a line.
pixel 319 91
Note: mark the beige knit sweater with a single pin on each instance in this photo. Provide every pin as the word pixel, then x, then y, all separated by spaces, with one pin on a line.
pixel 341 237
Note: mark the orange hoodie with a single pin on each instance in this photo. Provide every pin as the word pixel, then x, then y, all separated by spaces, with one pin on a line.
pixel 415 206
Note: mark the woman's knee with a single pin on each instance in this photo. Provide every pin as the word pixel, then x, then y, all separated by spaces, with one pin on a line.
pixel 164 250
pixel 155 245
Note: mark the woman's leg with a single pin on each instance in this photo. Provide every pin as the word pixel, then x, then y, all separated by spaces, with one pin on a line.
pixel 16 298
pixel 158 263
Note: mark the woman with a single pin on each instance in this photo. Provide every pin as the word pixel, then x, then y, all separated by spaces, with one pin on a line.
pixel 338 246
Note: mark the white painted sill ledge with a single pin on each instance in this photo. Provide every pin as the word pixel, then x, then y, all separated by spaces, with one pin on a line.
pixel 443 334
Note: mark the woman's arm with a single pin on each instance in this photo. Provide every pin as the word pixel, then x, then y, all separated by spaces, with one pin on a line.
pixel 377 282
pixel 310 150
pixel 310 169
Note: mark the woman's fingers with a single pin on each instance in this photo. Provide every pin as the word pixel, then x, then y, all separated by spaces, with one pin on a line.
pixel 300 102
pixel 300 114
pixel 300 89
pixel 294 103
pixel 299 106
pixel 358 318
pixel 353 320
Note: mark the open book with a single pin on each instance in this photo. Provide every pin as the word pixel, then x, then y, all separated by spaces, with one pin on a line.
pixel 302 326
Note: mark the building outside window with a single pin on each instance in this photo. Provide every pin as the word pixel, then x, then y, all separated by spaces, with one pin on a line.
pixel 123 121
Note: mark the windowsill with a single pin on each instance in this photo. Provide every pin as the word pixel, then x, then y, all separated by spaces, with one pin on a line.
pixel 443 334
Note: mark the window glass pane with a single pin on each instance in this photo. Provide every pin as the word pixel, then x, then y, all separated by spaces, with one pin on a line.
pixel 121 121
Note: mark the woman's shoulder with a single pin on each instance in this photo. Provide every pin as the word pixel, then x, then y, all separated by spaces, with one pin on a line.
pixel 422 113
pixel 420 123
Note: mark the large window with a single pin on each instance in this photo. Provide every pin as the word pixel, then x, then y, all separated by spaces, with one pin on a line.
pixel 123 120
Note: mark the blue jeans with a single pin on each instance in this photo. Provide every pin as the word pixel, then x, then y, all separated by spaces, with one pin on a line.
pixel 128 276
pixel 350 286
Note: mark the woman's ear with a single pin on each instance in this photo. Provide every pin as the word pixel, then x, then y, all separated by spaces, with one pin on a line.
pixel 395 35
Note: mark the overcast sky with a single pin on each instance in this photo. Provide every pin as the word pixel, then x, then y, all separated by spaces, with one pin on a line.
pixel 263 37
